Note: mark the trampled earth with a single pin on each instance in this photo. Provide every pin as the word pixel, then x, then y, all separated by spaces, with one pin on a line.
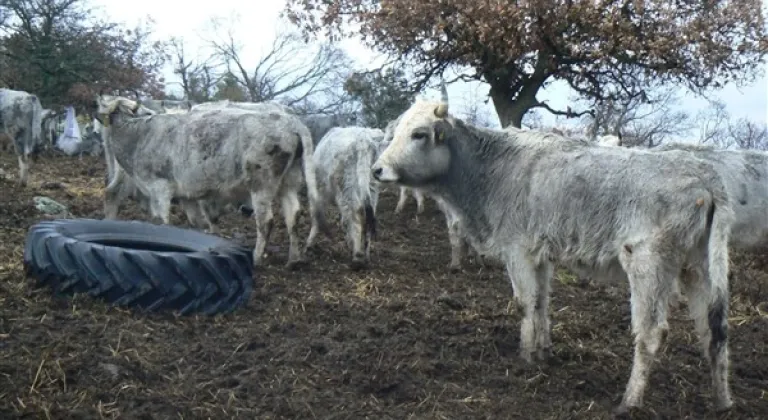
pixel 405 339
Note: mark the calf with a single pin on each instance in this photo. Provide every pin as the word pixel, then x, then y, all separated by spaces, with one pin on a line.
pixel 210 155
pixel 21 120
pixel 535 200
pixel 343 162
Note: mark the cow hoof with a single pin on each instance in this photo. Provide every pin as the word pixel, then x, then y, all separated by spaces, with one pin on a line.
pixel 454 268
pixel 358 265
pixel 723 405
pixel 526 356
pixel 295 264
pixel 621 411
pixel 545 353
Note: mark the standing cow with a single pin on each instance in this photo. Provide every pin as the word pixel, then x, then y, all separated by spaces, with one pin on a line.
pixel 343 162
pixel 211 155
pixel 21 119
pixel 456 237
pixel 535 200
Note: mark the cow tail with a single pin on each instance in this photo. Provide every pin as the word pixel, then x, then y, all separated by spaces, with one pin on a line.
pixel 308 165
pixel 367 187
pixel 117 177
pixel 719 218
pixel 37 125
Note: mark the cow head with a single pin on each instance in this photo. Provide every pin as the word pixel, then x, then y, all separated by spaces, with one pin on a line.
pixel 417 151
pixel 112 106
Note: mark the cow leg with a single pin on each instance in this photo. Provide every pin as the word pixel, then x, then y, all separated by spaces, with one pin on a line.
pixel 113 199
pixel 457 242
pixel 531 286
pixel 650 281
pixel 209 219
pixel 262 213
pixel 710 318
pixel 419 196
pixel 160 201
pixel 289 201
pixel 315 229
pixel 401 199
pixel 193 209
pixel 356 234
pixel 23 169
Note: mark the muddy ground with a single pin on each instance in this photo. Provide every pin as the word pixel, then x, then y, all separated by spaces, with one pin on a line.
pixel 406 339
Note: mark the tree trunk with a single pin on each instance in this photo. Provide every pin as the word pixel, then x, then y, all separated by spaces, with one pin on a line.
pixel 511 112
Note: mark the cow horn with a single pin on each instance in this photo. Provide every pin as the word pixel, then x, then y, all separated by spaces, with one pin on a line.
pixel 442 109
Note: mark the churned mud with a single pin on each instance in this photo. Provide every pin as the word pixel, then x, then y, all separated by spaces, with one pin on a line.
pixel 404 339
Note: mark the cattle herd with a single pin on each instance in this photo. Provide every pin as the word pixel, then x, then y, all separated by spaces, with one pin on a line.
pixel 661 219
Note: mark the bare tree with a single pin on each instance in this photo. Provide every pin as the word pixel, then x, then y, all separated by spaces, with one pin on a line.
pixel 641 120
pixel 291 71
pixel 198 77
pixel 717 128
pixel 712 124
pixel 748 134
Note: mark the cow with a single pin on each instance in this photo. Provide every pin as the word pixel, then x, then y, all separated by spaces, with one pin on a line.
pixel 168 106
pixel 210 155
pixel 343 162
pixel 21 119
pixel 610 140
pixel 417 194
pixel 176 107
pixel 320 124
pixel 455 236
pixel 250 106
pixel 538 199
pixel 744 173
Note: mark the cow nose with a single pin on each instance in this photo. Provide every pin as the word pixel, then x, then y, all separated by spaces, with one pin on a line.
pixel 377 173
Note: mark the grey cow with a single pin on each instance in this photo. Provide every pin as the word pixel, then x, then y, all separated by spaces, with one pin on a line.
pixel 535 200
pixel 21 118
pixel 745 174
pixel 168 106
pixel 210 155
pixel 343 162
pixel 456 237
pixel 318 124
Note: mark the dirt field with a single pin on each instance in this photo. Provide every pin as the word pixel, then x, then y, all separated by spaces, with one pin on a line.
pixel 406 339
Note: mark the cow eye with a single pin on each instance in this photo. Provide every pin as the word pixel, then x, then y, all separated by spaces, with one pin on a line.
pixel 419 135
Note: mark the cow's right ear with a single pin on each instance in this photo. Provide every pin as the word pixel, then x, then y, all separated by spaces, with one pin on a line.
pixel 442 129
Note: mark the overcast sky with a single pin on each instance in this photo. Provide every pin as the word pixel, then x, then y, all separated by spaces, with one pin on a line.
pixel 257 21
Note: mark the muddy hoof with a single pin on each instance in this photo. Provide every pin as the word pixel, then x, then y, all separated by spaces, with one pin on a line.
pixel 545 354
pixel 622 411
pixel 454 268
pixel 296 264
pixel 722 406
pixel 358 265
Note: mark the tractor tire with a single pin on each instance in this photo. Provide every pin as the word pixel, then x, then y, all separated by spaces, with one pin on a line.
pixel 139 264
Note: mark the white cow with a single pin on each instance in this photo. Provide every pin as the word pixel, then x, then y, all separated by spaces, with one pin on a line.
pixel 343 160
pixel 535 200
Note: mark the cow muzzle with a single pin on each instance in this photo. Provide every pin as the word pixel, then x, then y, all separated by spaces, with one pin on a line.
pixel 384 173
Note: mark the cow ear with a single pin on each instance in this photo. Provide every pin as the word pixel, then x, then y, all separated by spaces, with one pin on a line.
pixel 442 129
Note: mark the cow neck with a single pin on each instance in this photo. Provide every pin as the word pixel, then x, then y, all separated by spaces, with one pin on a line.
pixel 472 183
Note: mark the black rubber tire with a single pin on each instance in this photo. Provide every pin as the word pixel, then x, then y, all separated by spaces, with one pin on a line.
pixel 139 264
